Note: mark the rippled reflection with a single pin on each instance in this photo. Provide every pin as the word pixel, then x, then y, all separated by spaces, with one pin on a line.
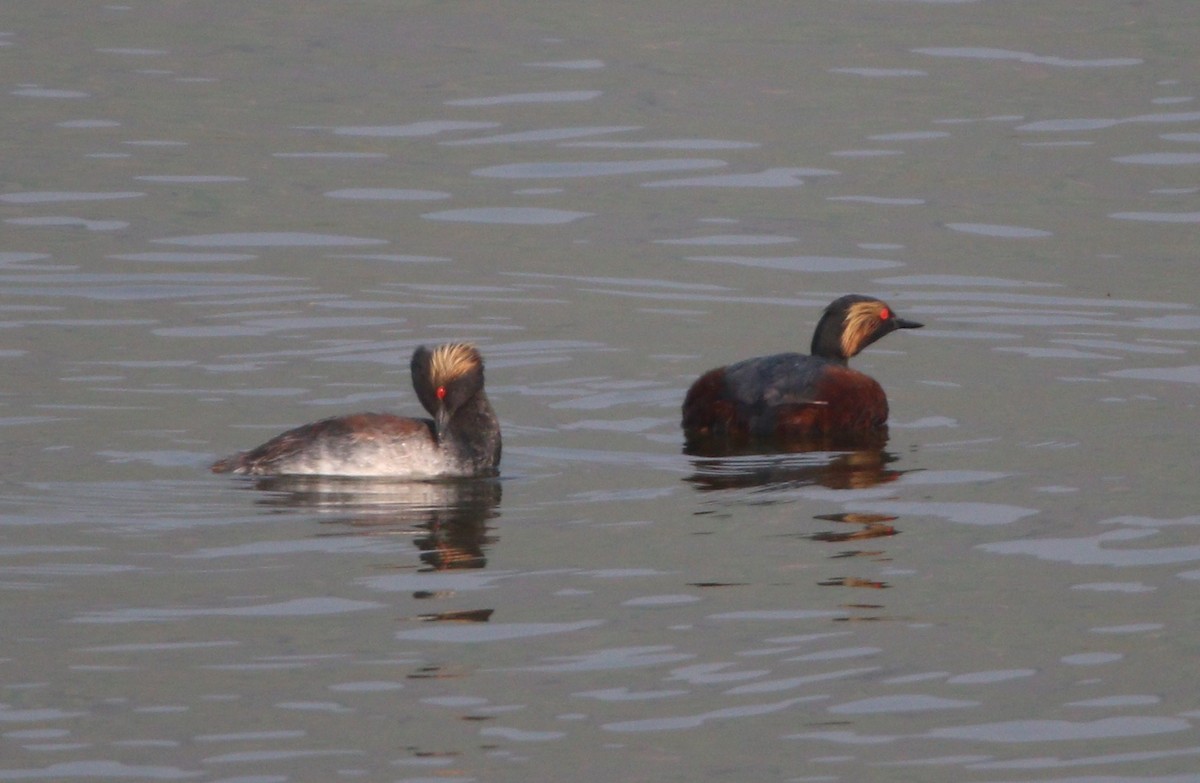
pixel 845 463
pixel 835 470
pixel 449 517
pixel 739 477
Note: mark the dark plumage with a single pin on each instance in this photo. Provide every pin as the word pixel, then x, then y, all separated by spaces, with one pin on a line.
pixel 462 438
pixel 793 397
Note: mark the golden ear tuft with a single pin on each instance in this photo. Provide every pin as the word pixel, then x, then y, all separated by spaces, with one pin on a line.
pixel 862 320
pixel 453 360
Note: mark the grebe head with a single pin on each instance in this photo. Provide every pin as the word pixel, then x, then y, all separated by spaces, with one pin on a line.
pixel 446 377
pixel 851 323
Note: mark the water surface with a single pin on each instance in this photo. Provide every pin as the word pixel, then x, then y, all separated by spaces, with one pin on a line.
pixel 218 226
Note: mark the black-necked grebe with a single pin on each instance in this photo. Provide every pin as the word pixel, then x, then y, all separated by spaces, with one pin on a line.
pixel 462 439
pixel 790 396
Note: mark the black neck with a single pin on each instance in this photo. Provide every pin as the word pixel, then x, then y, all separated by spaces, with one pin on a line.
pixel 827 338
pixel 473 432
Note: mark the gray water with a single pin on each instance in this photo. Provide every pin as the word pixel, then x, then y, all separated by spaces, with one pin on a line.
pixel 222 220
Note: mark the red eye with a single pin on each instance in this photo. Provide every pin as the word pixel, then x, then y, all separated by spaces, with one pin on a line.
pixel 441 392
pixel 884 314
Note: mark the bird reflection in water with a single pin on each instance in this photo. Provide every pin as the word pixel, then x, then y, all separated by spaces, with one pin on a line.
pixel 857 463
pixel 762 473
pixel 448 519
pixel 867 526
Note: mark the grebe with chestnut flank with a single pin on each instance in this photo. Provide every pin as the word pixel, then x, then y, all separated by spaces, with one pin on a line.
pixel 790 396
pixel 462 438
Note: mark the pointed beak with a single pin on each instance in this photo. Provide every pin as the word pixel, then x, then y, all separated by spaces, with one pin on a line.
pixel 441 421
pixel 902 323
pixel 441 414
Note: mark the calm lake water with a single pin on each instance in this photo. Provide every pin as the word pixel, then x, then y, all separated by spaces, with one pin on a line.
pixel 218 221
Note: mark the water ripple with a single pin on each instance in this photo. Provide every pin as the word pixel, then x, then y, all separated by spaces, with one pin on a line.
pixel 270 239
pixel 1091 550
pixel 1108 758
pixel 1161 158
pixel 909 136
pixel 183 258
pixel 426 128
pixel 667 144
pixel 569 65
pixel 963 281
pixel 990 677
pixel 769 178
pixel 904 702
pixel 513 216
pixel 1158 217
pixel 775 614
pixel 88 124
pixel 387 194
pixel 987 53
pixel 802 263
pixel 492 632
pixel 10 715
pixel 329 155
pixel 1132 700
pixel 879 200
pixel 1189 374
pixel 1100 123
pixel 1005 232
pixel 881 73
pixel 964 513
pixel 34 91
pixel 543 135
pixel 296 607
pixel 623 693
pixel 190 179
pixel 787 683
pixel 99 769
pixel 677 723
pixel 66 221
pixel 597 168
pixel 520 735
pixel 61 196
pixel 563 96
pixel 134 52
pixel 612 659
pixel 1062 730
pixel 730 240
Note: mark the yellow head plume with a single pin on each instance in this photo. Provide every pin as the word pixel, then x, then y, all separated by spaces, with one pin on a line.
pixel 453 360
